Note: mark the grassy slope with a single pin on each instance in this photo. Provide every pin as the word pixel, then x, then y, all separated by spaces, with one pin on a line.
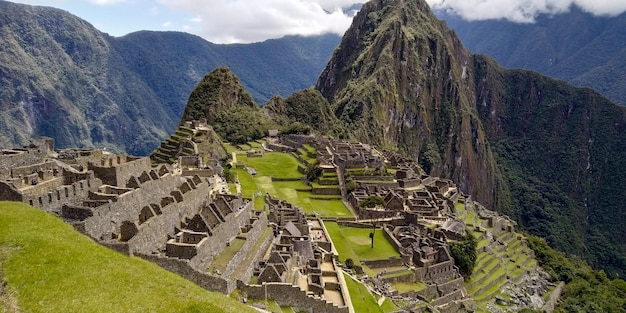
pixel 49 267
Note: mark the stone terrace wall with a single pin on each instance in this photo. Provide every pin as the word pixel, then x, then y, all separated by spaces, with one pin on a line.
pixel 184 269
pixel 16 158
pixel 153 233
pixel 451 286
pixel 107 218
pixel 288 295
pixel 222 234
pixel 115 172
pixel 259 253
pixel 391 262
pixel 53 200
pixel 259 226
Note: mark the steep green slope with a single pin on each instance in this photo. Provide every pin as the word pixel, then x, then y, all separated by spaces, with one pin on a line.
pixel 49 267
pixel 61 77
pixel 583 49
pixel 562 151
pixel 401 80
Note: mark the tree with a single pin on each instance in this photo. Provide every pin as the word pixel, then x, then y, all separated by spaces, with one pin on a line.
pixel 349 263
pixel 372 201
pixel 313 172
pixel 464 254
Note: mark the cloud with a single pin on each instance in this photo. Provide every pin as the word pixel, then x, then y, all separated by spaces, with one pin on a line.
pixel 106 2
pixel 230 21
pixel 524 11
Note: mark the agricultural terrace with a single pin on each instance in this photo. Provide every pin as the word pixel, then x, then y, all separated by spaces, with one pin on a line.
pixel 283 165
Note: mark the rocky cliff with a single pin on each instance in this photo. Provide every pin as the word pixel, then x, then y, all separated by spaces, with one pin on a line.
pixel 540 150
pixel 401 80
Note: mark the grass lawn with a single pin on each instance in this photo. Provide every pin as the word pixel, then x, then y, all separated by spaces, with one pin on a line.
pixel 274 164
pixel 230 148
pixel 355 243
pixel 222 260
pixel 362 300
pixel 50 267
pixel 283 165
pixel 406 287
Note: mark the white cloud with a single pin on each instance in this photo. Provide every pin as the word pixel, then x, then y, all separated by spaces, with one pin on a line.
pixel 228 21
pixel 525 10
pixel 167 24
pixel 106 2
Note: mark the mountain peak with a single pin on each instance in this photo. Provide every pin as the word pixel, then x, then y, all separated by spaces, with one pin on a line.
pixel 401 80
pixel 218 91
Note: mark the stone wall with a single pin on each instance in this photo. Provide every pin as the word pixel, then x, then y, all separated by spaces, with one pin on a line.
pixel 259 226
pixel 288 295
pixel 391 262
pixel 117 171
pixel 184 269
pixel 9 193
pixel 279 148
pixel 450 286
pixel 259 253
pixel 16 158
pixel 154 232
pixel 326 191
pixel 53 200
pixel 127 207
pixel 456 295
pixel 222 235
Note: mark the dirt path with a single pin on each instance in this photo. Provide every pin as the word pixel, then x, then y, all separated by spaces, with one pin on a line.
pixel 554 297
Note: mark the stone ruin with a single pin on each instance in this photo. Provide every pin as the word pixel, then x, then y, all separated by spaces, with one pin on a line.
pixel 299 262
pixel 182 222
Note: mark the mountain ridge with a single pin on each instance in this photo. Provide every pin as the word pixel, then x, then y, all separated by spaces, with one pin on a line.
pixel 63 78
pixel 575 46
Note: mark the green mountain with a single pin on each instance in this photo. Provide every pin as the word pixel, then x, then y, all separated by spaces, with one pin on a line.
pixel 61 77
pixel 546 153
pixel 576 46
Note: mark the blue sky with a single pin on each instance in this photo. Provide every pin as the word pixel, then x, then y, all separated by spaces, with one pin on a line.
pixel 230 21
pixel 219 21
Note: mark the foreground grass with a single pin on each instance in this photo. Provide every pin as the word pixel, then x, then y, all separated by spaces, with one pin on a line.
pixel 49 267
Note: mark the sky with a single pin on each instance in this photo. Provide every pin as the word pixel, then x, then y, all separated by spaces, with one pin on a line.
pixel 243 21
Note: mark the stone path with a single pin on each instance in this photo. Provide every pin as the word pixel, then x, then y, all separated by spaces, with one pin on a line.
pixel 554 297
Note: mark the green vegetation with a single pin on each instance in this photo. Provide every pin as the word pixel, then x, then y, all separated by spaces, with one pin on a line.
pixel 49 267
pixel 127 93
pixel 586 290
pixel 464 254
pixel 303 110
pixel 355 243
pixel 362 299
pixel 284 165
pixel 372 201
pixel 526 45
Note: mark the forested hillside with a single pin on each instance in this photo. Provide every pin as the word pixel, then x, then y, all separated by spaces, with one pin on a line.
pixel 61 77
pixel 576 46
